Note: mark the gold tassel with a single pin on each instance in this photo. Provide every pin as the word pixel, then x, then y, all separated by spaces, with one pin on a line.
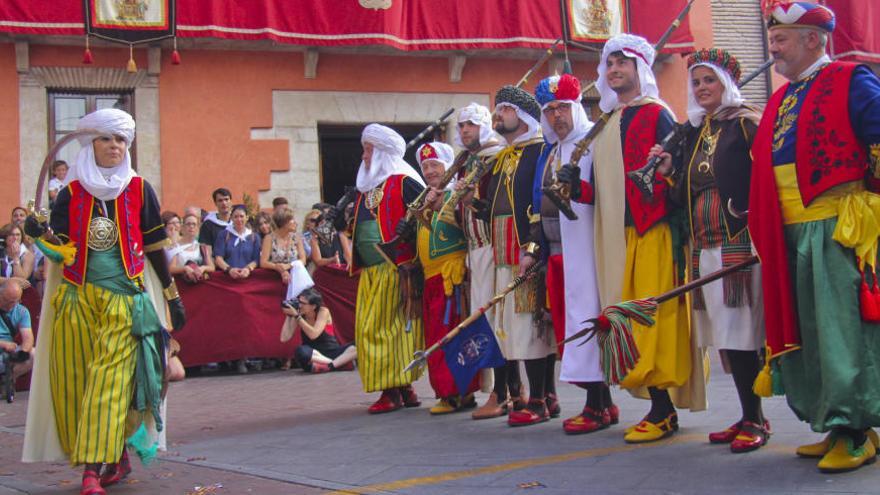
pixel 132 66
pixel 763 386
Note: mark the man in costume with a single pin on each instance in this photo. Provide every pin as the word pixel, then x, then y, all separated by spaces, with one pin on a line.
pixel 511 213
pixel 442 251
pixel 476 137
pixel 386 336
pixel 101 346
pixel 814 225
pixel 568 247
pixel 639 249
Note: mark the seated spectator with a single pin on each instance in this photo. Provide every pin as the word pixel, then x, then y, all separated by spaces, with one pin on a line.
pixel 282 247
pixel 15 320
pixel 188 257
pixel 263 224
pixel 216 222
pixel 18 262
pixel 320 351
pixel 279 203
pixel 237 248
pixel 58 180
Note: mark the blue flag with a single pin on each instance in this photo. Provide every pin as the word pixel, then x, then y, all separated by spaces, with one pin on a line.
pixel 473 349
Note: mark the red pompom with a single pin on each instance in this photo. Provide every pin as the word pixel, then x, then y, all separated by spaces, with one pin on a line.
pixel 87 57
pixel 602 322
pixel 175 57
pixel 568 88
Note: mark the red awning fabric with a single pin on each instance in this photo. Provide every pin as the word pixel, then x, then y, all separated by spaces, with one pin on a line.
pixel 405 25
pixel 857 35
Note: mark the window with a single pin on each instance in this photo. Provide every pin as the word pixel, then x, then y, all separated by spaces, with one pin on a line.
pixel 66 108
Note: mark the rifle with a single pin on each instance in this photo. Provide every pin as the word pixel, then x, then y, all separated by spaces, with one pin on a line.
pixel 644 177
pixel 416 209
pixel 547 54
pixel 560 193
pixel 472 178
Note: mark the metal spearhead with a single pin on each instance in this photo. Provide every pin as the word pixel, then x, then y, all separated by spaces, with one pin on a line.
pixel 419 360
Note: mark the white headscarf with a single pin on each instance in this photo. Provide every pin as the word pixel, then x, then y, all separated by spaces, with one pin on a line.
pixel 634 47
pixel 103 183
pixel 387 159
pixel 478 115
pixel 533 125
pixel 440 152
pixel 730 98
pixel 580 120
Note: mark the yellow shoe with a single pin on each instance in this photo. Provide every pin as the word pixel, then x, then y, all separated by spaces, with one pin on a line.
pixel 442 407
pixel 673 420
pixel 649 432
pixel 844 457
pixel 819 449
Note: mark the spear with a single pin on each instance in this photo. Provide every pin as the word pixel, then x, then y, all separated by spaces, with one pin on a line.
pixel 613 328
pixel 420 358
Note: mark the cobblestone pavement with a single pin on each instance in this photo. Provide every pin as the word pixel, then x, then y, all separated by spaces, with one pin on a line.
pixel 293 433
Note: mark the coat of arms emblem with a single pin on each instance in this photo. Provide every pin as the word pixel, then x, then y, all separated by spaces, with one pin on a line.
pixel 375 4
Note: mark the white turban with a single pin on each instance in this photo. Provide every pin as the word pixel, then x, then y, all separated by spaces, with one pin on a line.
pixel 440 152
pixel 730 98
pixel 634 47
pixel 387 159
pixel 101 182
pixel 478 115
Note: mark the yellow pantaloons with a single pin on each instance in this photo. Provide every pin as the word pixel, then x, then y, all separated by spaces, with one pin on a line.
pixel 92 371
pixel 384 344
pixel 665 352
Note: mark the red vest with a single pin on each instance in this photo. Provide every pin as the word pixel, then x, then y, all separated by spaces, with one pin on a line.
pixel 128 222
pixel 640 137
pixel 827 151
pixel 391 210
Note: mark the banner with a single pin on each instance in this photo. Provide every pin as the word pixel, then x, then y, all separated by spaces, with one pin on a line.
pixel 594 21
pixel 130 21
pixel 409 25
pixel 857 36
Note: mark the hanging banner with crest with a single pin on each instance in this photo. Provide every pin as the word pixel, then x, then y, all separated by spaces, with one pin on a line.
pixel 594 21
pixel 130 21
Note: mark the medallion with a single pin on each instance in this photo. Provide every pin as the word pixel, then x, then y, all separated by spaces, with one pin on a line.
pixel 102 234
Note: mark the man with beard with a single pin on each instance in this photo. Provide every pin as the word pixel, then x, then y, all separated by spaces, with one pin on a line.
pixel 476 136
pixel 639 246
pixel 814 225
pixel 568 246
pixel 511 214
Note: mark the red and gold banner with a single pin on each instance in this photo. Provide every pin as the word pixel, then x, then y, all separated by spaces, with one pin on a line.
pixel 130 21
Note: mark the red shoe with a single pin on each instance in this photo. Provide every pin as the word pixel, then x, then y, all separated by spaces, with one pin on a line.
pixel 553 408
pixel 114 473
pixel 588 421
pixel 319 367
pixel 527 416
pixel 751 437
pixel 91 484
pixel 613 413
pixel 410 398
pixel 726 436
pixel 388 401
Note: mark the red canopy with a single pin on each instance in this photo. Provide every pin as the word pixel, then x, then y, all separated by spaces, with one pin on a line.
pixel 405 24
pixel 857 36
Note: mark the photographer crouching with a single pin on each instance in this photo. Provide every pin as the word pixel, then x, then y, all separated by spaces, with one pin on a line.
pixel 320 352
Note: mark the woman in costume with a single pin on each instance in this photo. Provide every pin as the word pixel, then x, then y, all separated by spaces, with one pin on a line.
pixel 101 332
pixel 728 313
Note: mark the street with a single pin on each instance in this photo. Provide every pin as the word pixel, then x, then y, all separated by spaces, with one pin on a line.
pixel 291 433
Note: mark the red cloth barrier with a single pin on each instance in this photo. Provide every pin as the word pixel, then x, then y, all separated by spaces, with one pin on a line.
pixel 229 319
pixel 339 290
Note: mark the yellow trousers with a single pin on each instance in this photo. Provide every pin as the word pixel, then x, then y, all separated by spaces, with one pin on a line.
pixel 92 371
pixel 385 344
pixel 665 347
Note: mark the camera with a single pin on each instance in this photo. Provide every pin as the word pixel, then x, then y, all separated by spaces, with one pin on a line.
pixel 292 303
